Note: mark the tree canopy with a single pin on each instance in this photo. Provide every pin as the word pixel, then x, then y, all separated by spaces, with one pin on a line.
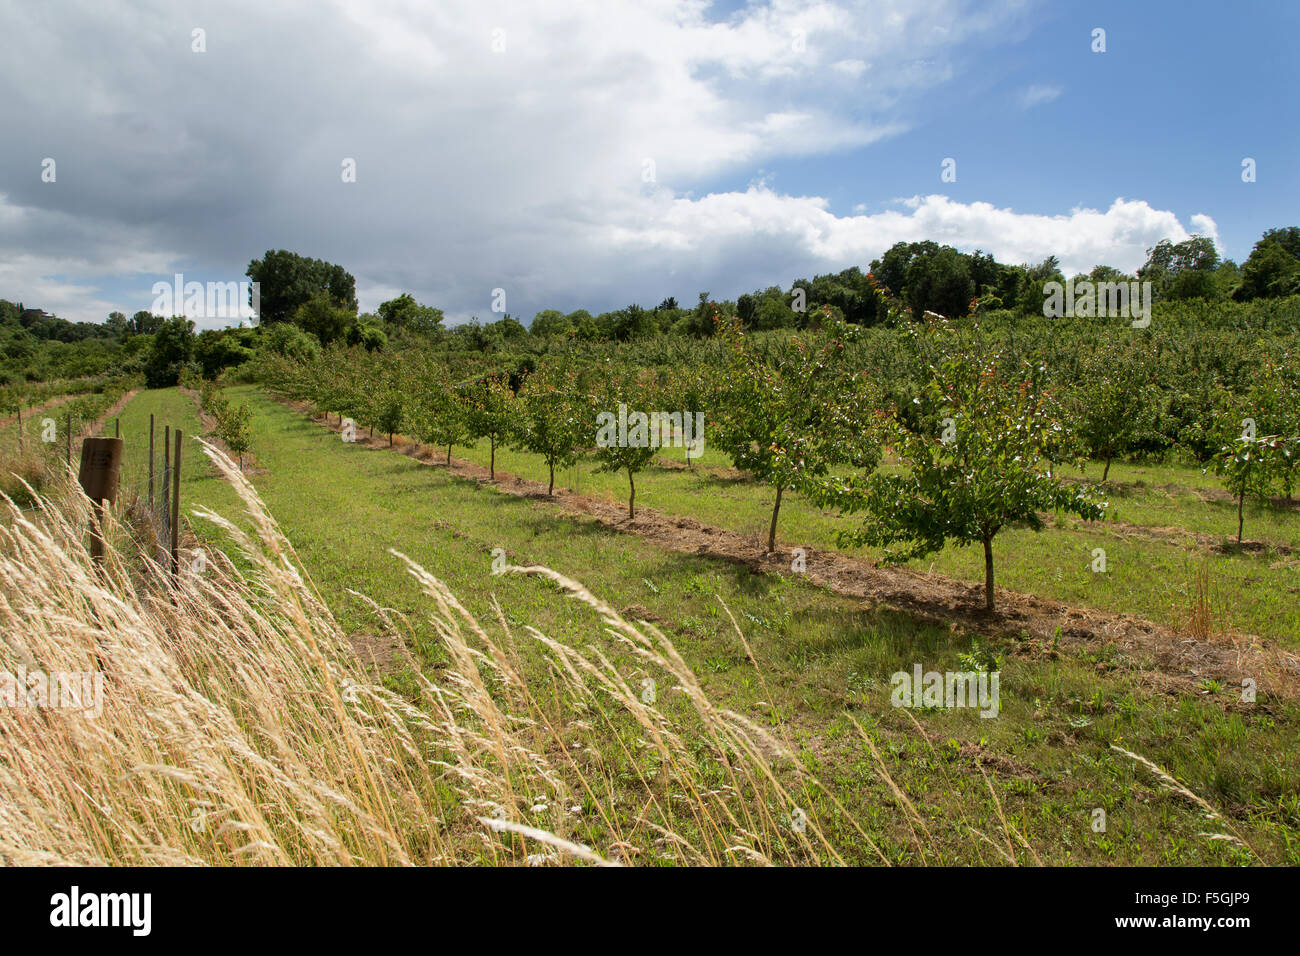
pixel 287 281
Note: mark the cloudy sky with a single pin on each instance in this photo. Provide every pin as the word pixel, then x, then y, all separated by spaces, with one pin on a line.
pixel 589 155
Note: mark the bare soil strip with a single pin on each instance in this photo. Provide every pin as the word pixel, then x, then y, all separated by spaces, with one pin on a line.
pixel 1179 663
pixel 111 412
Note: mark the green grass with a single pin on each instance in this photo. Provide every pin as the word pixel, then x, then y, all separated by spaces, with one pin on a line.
pixel 199 481
pixel 823 660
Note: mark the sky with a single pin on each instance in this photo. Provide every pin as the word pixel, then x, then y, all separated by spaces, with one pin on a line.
pixel 592 155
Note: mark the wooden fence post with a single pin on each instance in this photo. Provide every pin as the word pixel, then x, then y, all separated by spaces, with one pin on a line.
pixel 166 477
pixel 101 462
pixel 176 507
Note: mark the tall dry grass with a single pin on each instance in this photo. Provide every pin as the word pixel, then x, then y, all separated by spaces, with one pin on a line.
pixel 238 726
pixel 1200 617
pixel 23 471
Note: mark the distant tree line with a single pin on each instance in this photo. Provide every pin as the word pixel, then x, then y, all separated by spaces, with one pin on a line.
pixel 308 303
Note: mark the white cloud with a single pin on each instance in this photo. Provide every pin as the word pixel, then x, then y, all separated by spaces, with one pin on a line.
pixel 1203 225
pixel 1038 94
pixel 801 233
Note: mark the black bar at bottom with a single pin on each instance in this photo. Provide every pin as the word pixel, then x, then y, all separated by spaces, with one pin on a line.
pixel 341 906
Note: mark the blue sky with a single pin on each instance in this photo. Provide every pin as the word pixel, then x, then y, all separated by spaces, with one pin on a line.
pixel 787 139
pixel 1182 94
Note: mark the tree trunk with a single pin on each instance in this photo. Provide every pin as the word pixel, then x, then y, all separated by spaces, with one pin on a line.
pixel 771 531
pixel 492 462
pixel 390 439
pixel 988 574
pixel 1241 518
pixel 1105 471
pixel 631 498
pixel 550 489
pixel 448 454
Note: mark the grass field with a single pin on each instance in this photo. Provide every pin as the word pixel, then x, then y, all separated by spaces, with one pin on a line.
pixel 821 662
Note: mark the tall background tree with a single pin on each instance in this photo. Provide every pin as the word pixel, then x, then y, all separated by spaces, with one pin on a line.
pixel 403 312
pixel 145 322
pixel 1273 268
pixel 1182 270
pixel 287 281
pixel 119 324
pixel 324 318
pixel 171 351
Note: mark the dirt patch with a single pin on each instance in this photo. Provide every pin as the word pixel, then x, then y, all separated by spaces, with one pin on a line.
pixel 1007 767
pixel 1183 662
pixel 381 652
pixel 639 612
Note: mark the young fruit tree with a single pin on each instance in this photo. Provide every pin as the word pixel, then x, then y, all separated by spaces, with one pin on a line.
pixel 788 413
pixel 389 410
pixel 386 399
pixel 1274 404
pixel 1112 400
pixel 623 428
pixel 556 419
pixel 1251 466
pixel 686 389
pixel 341 384
pixel 492 412
pixel 981 460
pixel 12 400
pixel 234 427
pixel 434 411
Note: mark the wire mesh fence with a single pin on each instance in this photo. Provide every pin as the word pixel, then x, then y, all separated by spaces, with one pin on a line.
pixel 93 454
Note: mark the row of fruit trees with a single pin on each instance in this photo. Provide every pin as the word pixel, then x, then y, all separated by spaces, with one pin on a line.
pixel 956 442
